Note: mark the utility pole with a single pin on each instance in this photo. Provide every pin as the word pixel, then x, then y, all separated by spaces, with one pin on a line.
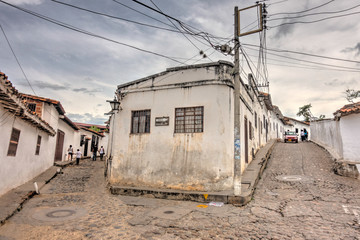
pixel 237 153
pixel 237 125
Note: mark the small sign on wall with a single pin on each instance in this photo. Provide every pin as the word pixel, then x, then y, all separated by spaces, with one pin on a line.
pixel 162 121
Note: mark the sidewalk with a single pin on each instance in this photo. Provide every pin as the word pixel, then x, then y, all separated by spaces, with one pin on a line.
pixel 12 201
pixel 249 181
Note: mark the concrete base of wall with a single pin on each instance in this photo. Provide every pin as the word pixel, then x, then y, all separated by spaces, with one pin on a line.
pixel 249 180
pixel 346 169
pixel 342 167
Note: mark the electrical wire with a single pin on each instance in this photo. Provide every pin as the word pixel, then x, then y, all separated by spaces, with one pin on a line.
pixel 133 9
pixel 313 68
pixel 119 18
pixel 307 10
pixel 313 14
pixel 315 21
pixel 68 26
pixel 323 64
pixel 303 53
pixel 206 36
pixel 220 38
pixel 179 30
pixel 17 60
pixel 248 60
pixel 5 120
pixel 300 64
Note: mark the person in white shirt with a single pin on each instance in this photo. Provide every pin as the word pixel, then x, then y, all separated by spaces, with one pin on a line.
pixel 102 152
pixel 78 156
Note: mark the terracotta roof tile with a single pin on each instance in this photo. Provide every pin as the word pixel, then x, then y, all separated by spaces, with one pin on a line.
pixel 89 130
pixel 12 101
pixel 348 109
pixel 57 104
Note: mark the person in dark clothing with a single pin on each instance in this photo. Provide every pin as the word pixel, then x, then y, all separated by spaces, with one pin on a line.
pixel 95 149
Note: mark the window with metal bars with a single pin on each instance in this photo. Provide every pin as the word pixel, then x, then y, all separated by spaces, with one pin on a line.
pixel 37 151
pixel 140 121
pixel 14 140
pixel 32 107
pixel 189 120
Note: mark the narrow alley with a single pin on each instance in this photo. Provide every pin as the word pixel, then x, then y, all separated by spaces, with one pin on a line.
pixel 298 197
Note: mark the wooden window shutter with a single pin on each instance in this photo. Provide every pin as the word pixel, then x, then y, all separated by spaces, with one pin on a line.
pixel 14 140
pixel 37 152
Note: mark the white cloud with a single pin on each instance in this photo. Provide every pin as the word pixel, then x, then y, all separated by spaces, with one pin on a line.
pixel 83 72
pixel 27 2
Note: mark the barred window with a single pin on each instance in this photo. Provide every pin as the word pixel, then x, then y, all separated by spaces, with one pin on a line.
pixel 37 152
pixel 32 107
pixel 189 120
pixel 14 140
pixel 140 121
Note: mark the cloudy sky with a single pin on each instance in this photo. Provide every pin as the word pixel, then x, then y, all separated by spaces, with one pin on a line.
pixel 82 71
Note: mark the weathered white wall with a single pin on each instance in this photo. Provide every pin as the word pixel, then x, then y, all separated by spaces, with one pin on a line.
pixel 327 134
pixel 71 137
pixel 198 161
pixel 161 158
pixel 103 141
pixel 350 132
pixel 25 165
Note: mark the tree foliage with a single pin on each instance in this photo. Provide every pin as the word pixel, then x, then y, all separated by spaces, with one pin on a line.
pixel 305 112
pixel 94 128
pixel 352 94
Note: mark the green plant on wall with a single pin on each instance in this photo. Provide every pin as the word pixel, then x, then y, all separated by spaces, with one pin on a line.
pixel 94 128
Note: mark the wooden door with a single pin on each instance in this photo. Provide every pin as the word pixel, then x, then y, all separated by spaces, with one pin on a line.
pixel 246 141
pixel 59 145
pixel 86 147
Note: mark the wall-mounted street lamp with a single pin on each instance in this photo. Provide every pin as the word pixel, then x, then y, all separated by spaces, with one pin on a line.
pixel 115 104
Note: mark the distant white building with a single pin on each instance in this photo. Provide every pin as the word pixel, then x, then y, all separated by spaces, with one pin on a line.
pixel 175 129
pixel 297 126
pixel 35 134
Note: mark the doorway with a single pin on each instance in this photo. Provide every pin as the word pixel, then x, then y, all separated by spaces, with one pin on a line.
pixel 246 140
pixel 59 145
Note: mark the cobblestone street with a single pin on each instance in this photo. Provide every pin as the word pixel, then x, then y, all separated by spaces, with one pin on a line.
pixel 298 197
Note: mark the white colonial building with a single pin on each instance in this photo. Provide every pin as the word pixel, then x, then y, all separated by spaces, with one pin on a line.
pixel 35 134
pixel 175 129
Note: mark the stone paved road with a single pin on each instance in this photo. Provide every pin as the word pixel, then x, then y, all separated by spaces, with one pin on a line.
pixel 298 197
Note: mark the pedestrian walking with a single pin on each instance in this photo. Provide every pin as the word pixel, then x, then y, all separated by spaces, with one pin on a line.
pixel 70 153
pixel 306 134
pixel 302 135
pixel 78 156
pixel 102 152
pixel 95 149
